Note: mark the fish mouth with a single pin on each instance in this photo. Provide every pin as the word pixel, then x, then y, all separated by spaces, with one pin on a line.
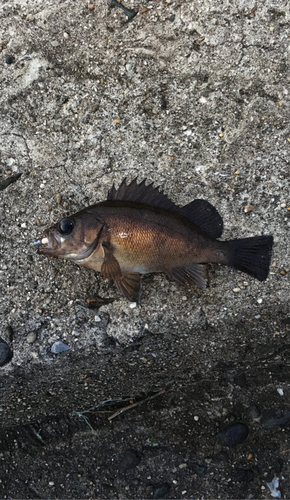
pixel 49 245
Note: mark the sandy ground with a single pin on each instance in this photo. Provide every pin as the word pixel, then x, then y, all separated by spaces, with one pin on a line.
pixel 193 95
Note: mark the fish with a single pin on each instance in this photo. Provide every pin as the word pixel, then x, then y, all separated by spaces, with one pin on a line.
pixel 139 230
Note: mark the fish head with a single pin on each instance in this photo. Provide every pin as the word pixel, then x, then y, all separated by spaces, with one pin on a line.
pixel 74 238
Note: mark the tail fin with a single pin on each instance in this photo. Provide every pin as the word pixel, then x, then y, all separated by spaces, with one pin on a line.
pixel 251 255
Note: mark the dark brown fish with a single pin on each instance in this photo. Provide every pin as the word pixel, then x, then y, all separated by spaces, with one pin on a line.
pixel 139 230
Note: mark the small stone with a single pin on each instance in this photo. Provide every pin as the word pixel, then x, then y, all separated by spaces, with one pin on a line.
pixel 66 36
pixel 10 333
pixel 91 6
pixel 172 17
pixel 161 491
pixel 275 417
pixel 260 301
pixel 243 475
pixel 133 305
pixel 236 290
pixel 144 10
pixel 6 353
pixel 130 459
pixel 248 208
pixel 10 59
pixel 31 337
pixel 283 205
pixel 280 391
pixel 97 319
pixel 58 198
pixel 233 434
pixel 54 43
pixel 59 347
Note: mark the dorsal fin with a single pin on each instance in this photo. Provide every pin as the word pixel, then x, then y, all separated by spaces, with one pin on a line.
pixel 142 194
pixel 205 216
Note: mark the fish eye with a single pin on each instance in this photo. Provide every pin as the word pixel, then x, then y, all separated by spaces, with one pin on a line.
pixel 66 226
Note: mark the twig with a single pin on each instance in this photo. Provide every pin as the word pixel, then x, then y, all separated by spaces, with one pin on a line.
pixel 27 56
pixel 122 410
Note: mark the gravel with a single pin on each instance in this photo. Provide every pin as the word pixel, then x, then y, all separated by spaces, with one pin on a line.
pixel 193 96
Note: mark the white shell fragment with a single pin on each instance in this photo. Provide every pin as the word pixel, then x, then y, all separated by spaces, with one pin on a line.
pixel 59 346
pixel 275 493
pixel 44 241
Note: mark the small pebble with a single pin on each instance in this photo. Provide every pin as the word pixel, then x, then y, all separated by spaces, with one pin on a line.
pixel 248 208
pixel 10 333
pixel 283 205
pixel 275 417
pixel 97 319
pixel 133 305
pixel 10 59
pixel 59 347
pixel 243 475
pixel 233 434
pixel 58 198
pixel 260 301
pixel 236 290
pixel 161 491
pixel 91 6
pixel 31 337
pixel 54 43
pixel 172 17
pixel 66 36
pixel 280 391
pixel 130 459
pixel 5 353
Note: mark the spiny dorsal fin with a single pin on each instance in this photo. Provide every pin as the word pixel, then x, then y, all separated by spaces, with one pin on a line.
pixel 142 194
pixel 204 216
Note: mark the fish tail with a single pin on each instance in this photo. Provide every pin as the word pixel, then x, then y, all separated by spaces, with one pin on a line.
pixel 251 255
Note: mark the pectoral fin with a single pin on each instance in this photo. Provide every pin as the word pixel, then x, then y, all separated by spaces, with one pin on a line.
pixel 128 283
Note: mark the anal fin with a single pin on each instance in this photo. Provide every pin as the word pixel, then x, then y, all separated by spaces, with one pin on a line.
pixel 129 285
pixel 196 274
